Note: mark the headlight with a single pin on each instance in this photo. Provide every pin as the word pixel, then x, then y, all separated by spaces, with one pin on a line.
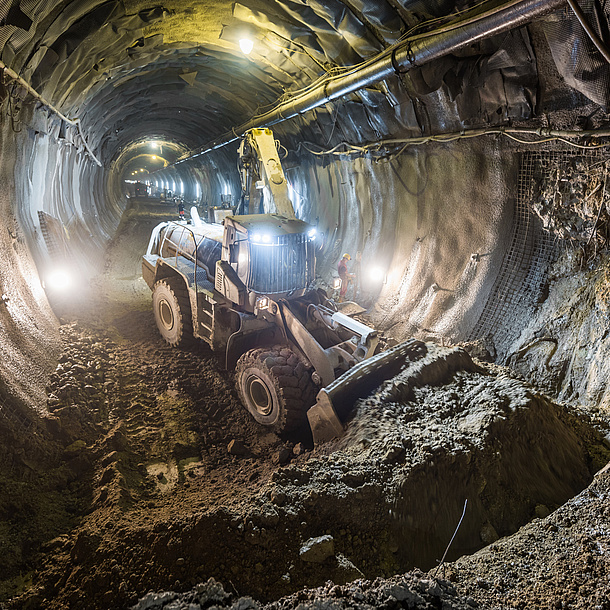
pixel 260 238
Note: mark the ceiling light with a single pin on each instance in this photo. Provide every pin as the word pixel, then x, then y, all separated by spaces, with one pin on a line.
pixel 246 46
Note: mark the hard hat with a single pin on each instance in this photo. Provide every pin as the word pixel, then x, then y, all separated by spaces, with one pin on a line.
pixel 347 256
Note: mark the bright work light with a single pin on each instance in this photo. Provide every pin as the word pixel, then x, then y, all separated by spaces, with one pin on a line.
pixel 246 46
pixel 59 279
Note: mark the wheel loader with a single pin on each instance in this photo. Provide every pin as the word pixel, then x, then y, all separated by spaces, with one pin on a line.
pixel 245 288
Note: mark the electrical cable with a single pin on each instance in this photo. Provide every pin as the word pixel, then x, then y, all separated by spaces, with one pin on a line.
pixel 546 135
pixel 378 68
pixel 37 96
pixel 340 72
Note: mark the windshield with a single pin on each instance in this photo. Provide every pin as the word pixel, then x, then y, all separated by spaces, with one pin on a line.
pixel 284 265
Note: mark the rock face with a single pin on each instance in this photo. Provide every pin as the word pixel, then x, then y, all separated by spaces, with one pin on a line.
pixel 317 550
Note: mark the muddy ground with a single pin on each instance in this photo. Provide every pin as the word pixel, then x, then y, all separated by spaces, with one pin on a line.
pixel 148 476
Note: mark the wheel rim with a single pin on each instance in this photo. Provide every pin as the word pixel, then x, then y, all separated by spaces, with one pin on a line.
pixel 259 395
pixel 166 314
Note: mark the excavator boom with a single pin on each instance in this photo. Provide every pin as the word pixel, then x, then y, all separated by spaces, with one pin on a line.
pixel 261 168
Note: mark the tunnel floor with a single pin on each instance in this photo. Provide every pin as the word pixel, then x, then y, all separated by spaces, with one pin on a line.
pixel 150 476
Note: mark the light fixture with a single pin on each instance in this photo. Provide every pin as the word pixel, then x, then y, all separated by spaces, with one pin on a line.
pixel 59 279
pixel 312 233
pixel 376 275
pixel 266 238
pixel 257 237
pixel 336 283
pixel 154 157
pixel 246 46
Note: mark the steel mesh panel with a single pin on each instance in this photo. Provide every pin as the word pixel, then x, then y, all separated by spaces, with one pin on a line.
pixel 19 38
pixel 9 416
pixel 577 59
pixel 5 34
pixel 525 265
pixel 34 9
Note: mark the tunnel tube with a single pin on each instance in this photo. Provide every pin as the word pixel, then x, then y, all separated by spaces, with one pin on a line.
pixel 436 226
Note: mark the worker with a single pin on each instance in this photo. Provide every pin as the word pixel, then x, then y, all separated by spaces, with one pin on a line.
pixel 345 276
pixel 181 209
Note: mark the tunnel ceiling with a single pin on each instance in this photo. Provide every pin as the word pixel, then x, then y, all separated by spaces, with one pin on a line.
pixel 174 71
pixel 138 70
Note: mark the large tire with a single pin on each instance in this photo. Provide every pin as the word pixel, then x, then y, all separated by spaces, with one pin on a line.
pixel 172 310
pixel 275 386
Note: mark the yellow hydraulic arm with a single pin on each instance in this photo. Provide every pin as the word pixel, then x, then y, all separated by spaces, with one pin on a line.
pixel 260 162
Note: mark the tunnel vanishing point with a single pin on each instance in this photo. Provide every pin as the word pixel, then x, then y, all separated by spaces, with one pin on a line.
pixel 456 151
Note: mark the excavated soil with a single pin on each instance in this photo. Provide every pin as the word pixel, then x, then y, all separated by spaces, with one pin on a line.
pixel 149 476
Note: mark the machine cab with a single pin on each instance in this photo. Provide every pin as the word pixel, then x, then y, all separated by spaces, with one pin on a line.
pixel 271 254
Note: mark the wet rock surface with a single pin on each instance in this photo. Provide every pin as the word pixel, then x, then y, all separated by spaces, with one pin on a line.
pixel 169 483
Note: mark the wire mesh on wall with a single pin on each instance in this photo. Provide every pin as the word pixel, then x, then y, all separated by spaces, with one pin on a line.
pixel 526 262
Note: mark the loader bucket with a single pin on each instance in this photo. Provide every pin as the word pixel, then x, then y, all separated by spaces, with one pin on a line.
pixel 336 400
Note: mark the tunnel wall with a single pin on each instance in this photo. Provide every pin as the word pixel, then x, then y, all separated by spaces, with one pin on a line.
pixel 43 172
pixel 30 341
pixel 434 221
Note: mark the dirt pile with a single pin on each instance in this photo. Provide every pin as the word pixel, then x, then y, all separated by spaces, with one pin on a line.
pixel 184 486
pixel 561 561
pixel 412 590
